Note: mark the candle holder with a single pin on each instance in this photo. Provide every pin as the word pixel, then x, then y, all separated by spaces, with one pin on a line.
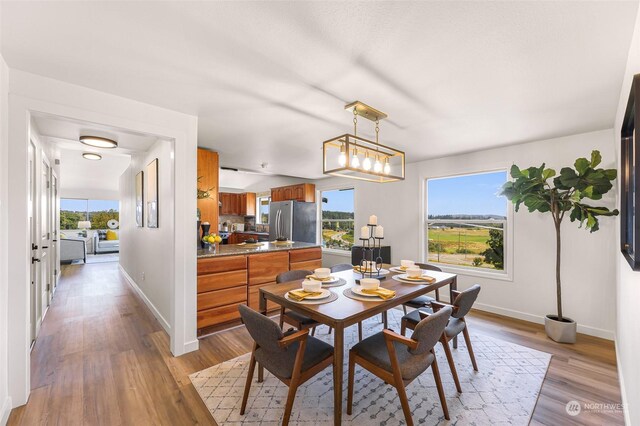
pixel 369 246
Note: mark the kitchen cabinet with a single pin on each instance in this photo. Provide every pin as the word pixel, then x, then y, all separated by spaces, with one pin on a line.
pixel 238 204
pixel 208 172
pixel 309 259
pixel 305 192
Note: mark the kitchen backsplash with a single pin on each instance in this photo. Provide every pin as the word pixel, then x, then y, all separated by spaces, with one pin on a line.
pixel 249 223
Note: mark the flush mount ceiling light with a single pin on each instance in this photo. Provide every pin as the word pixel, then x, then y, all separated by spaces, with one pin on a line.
pixel 98 142
pixel 91 156
pixel 352 156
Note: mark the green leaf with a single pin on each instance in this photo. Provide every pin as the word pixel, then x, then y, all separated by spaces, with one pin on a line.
pixel 515 172
pixel 581 165
pixel 591 221
pixel 611 174
pixel 548 173
pixel 588 192
pixel 596 158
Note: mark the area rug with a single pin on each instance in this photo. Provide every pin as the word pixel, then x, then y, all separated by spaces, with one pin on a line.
pixel 503 391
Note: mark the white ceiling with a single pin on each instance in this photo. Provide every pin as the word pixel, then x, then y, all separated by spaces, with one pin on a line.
pixel 268 80
pixel 79 174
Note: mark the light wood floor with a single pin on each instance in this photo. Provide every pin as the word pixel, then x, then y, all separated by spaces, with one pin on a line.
pixel 102 358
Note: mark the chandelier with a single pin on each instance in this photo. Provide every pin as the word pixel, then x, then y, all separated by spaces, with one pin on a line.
pixel 352 156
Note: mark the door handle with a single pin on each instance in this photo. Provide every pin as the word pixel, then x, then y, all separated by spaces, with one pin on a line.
pixel 45 247
pixel 34 260
pixel 34 246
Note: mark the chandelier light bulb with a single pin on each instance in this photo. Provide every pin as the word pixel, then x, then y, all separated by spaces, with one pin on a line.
pixel 387 167
pixel 355 161
pixel 377 166
pixel 342 159
pixel 366 164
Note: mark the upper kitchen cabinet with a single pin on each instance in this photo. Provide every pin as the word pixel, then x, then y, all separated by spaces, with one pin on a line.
pixel 302 192
pixel 208 170
pixel 238 204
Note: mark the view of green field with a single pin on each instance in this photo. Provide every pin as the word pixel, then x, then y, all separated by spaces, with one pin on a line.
pixel 459 245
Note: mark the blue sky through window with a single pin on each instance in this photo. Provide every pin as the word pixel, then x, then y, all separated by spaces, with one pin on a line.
pixel 77 205
pixel 338 200
pixel 467 195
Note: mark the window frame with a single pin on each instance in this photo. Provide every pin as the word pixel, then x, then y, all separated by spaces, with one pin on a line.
pixel 333 251
pixel 88 212
pixel 507 273
pixel 258 216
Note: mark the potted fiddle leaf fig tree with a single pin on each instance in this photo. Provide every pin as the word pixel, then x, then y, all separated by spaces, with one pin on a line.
pixel 567 193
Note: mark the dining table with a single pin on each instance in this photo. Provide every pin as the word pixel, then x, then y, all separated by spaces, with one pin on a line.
pixel 345 311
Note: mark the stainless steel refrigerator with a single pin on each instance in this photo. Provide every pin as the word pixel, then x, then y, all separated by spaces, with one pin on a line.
pixel 294 220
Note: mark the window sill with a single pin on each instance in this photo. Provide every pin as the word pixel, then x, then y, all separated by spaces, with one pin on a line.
pixel 501 276
pixel 336 252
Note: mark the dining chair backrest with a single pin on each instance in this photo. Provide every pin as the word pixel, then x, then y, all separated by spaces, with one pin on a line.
pixel 262 329
pixel 465 301
pixel 429 330
pixel 341 267
pixel 294 275
pixel 428 267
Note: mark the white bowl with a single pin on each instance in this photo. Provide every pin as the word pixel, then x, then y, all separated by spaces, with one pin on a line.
pixel 407 263
pixel 322 272
pixel 369 283
pixel 311 286
pixel 414 272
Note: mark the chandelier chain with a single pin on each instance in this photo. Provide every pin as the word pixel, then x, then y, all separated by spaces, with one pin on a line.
pixel 355 122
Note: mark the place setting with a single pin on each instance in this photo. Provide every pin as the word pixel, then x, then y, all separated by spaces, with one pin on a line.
pixel 369 290
pixel 410 273
pixel 323 275
pixel 311 293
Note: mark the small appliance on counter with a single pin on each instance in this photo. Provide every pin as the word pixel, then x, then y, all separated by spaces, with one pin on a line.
pixel 237 227
pixel 224 227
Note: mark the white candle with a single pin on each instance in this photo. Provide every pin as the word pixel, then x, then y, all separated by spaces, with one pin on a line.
pixel 379 231
pixel 373 219
pixel 364 232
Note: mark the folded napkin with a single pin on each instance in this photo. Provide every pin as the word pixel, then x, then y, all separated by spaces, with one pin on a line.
pixel 381 292
pixel 313 277
pixel 404 268
pixel 424 278
pixel 300 295
pixel 360 269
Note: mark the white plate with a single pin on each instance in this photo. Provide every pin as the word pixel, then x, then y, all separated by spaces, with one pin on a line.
pixel 403 278
pixel 325 293
pixel 397 269
pixel 331 281
pixel 358 290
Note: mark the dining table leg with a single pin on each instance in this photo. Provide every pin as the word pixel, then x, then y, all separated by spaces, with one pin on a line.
pixel 338 363
pixel 262 303
pixel 453 287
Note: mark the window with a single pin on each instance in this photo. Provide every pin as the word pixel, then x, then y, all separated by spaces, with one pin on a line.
pixel 262 206
pixel 337 219
pixel 98 212
pixel 466 221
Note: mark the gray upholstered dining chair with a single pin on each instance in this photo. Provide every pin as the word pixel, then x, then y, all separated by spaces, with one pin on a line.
pixel 292 357
pixel 398 360
pixel 299 321
pixel 461 306
pixel 341 267
pixel 424 300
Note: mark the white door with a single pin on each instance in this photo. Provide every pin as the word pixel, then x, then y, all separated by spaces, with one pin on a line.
pixel 55 232
pixel 45 234
pixel 35 261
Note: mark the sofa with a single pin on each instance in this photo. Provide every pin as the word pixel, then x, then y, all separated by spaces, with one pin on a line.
pixel 72 249
pixel 102 245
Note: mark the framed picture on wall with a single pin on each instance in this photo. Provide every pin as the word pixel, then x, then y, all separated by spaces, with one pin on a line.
pixel 630 180
pixel 140 199
pixel 152 194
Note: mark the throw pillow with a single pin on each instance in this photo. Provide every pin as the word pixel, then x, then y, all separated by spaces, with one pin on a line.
pixel 112 235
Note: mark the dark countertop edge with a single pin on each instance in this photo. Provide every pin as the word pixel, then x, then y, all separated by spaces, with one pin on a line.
pixel 248 252
pixel 249 232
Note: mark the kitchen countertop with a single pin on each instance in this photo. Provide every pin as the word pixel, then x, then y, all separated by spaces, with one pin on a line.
pixel 251 232
pixel 265 247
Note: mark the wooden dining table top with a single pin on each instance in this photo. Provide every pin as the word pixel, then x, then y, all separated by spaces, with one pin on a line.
pixel 347 310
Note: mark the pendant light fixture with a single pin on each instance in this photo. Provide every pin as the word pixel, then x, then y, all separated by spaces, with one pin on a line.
pixel 381 163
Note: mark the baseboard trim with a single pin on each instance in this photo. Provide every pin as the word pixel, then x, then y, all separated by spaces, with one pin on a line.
pixel 191 346
pixel 623 389
pixel 163 322
pixel 6 411
pixel 591 331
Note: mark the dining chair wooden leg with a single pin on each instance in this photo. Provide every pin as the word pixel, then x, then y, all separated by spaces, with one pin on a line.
pixel 452 365
pixel 436 376
pixel 260 373
pixel 467 340
pixel 360 331
pixel 385 320
pixel 403 326
pixel 330 330
pixel 404 308
pixel 352 368
pixel 291 396
pixel 247 386
pixel 313 331
pixel 437 294
pixel 281 317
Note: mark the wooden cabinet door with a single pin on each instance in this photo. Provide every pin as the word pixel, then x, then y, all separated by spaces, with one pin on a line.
pixel 242 204
pixel 226 203
pixel 298 192
pixel 250 204
pixel 309 191
pixel 208 171
pixel 288 193
pixel 264 267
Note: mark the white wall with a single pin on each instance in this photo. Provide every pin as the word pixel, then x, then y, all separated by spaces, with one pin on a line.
pixel 5 400
pixel 628 282
pixel 29 93
pixel 148 250
pixel 588 265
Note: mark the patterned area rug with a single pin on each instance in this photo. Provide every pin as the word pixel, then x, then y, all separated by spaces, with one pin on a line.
pixel 504 391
